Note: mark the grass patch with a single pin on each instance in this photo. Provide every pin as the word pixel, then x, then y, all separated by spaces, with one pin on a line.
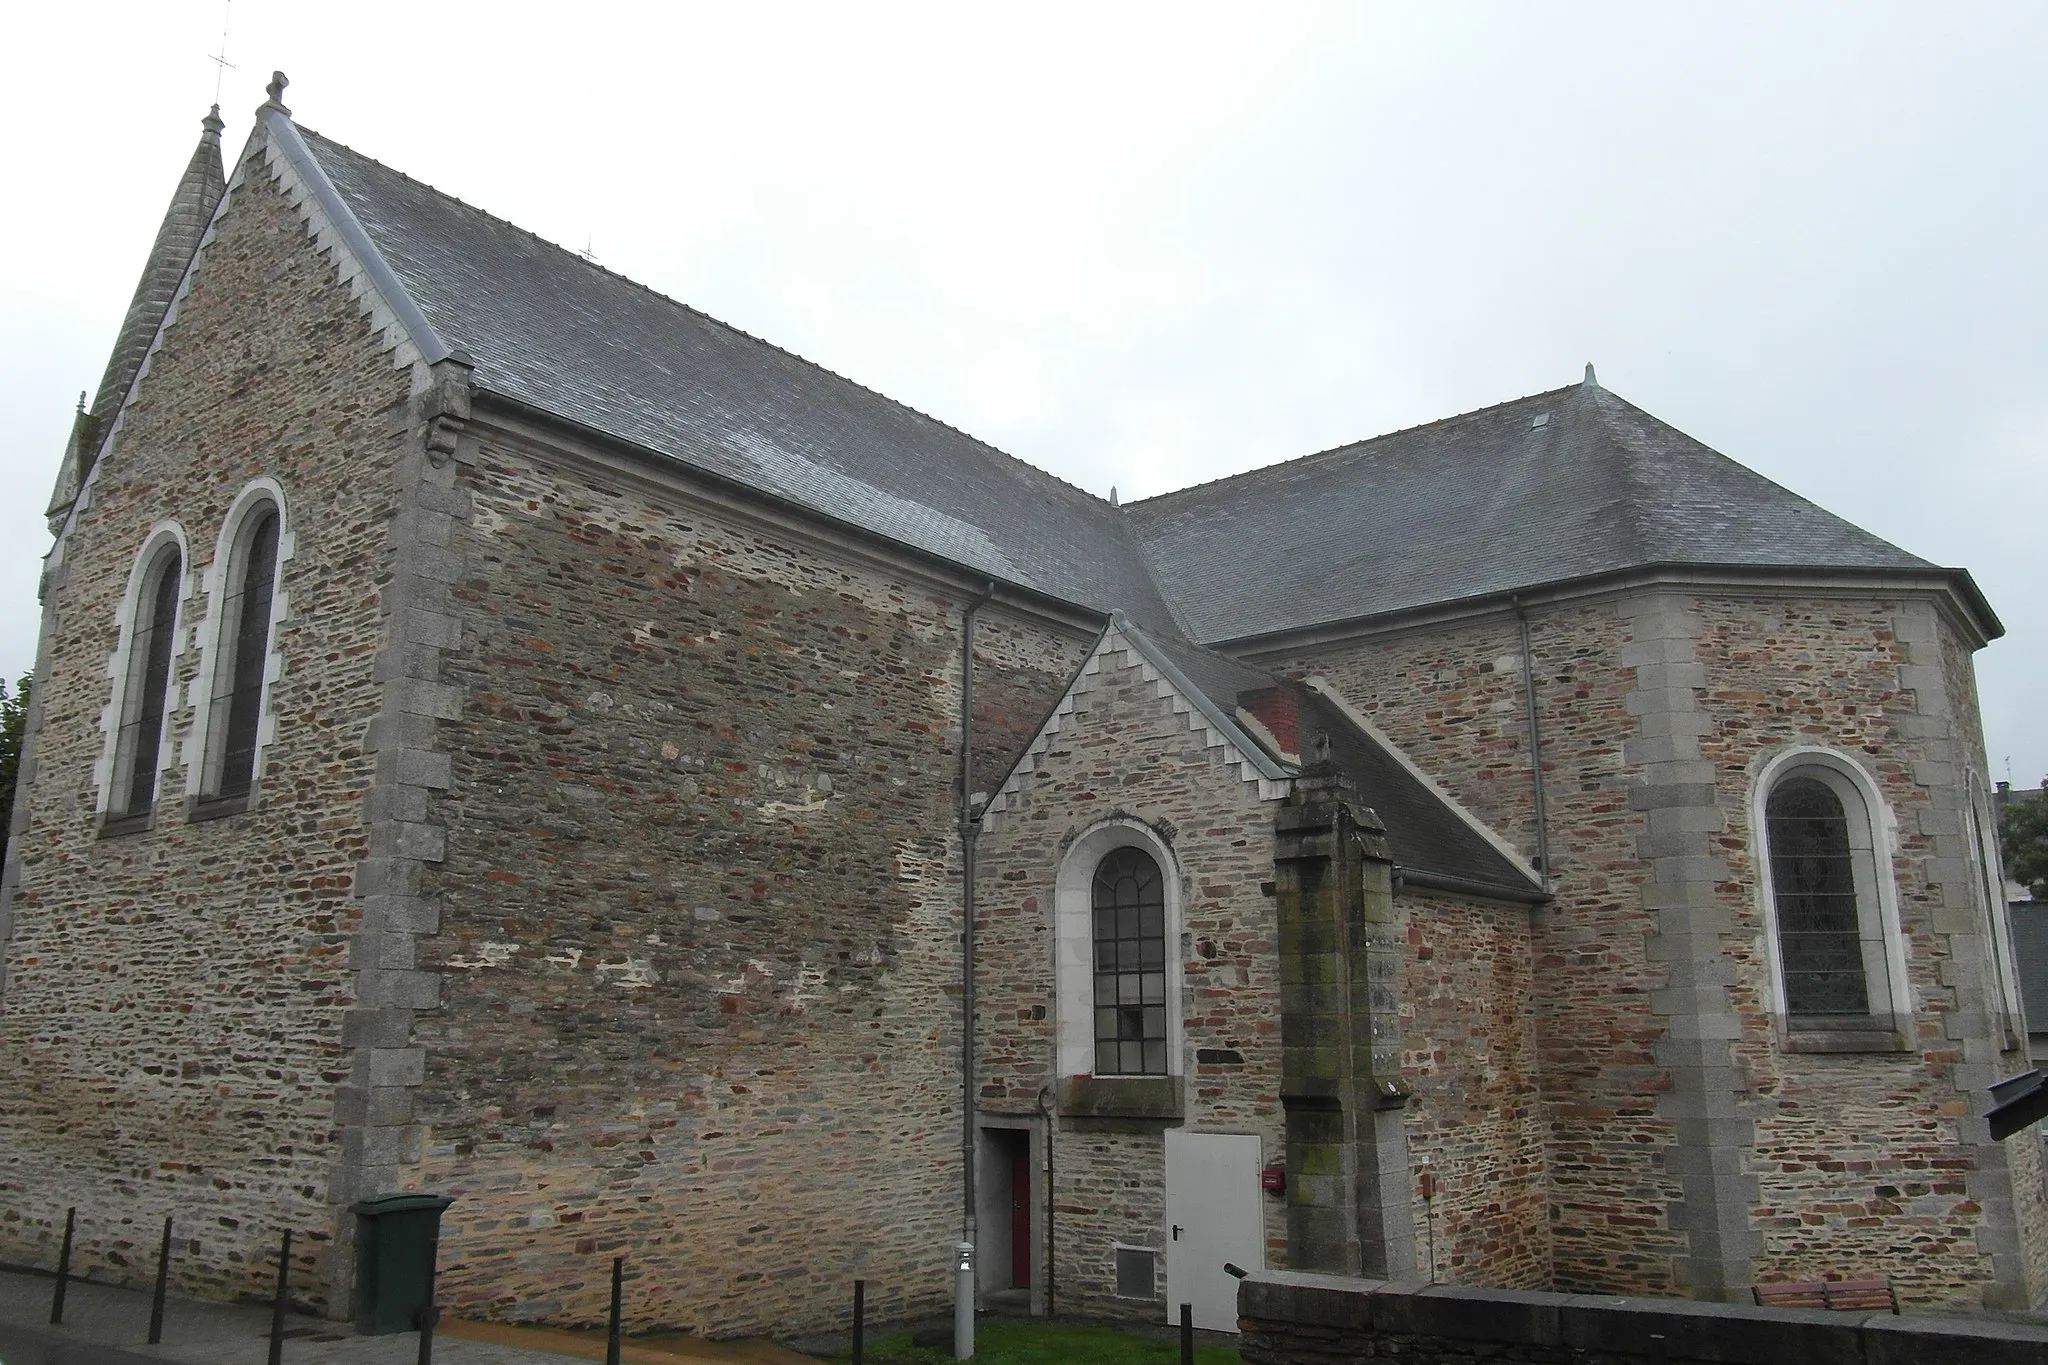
pixel 1047 1343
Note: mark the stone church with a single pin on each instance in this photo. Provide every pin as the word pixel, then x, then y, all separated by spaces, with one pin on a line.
pixel 499 732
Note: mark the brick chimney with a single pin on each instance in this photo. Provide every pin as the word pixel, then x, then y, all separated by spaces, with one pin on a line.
pixel 1278 712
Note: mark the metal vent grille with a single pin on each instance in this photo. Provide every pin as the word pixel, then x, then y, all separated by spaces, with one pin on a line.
pixel 1134 1271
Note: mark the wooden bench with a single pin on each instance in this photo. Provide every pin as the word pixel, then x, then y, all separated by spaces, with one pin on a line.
pixel 1847 1296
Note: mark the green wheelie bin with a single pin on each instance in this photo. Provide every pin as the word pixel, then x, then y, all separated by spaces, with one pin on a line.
pixel 397 1236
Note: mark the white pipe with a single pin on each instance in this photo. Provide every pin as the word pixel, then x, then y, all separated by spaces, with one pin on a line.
pixel 963 1301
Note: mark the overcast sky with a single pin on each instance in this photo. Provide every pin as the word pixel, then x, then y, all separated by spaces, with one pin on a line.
pixel 1148 245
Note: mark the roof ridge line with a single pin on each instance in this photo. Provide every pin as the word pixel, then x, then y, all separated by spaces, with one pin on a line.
pixel 695 311
pixel 287 137
pixel 1332 451
pixel 1631 478
pixel 1628 444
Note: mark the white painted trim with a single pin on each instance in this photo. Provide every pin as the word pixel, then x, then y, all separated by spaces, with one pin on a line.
pixel 121 661
pixel 1086 679
pixel 200 756
pixel 1869 817
pixel 1516 857
pixel 1074 940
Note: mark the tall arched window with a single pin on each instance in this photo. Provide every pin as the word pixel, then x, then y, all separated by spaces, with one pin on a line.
pixel 241 649
pixel 1116 919
pixel 145 691
pixel 1813 879
pixel 1829 904
pixel 1128 902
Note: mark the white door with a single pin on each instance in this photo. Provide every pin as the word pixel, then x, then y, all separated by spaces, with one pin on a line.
pixel 1212 1216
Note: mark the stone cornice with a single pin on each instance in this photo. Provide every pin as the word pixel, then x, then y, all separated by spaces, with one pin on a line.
pixel 1952 591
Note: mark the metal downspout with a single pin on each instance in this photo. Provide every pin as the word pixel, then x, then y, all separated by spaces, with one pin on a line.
pixel 970 829
pixel 1051 1244
pixel 1535 746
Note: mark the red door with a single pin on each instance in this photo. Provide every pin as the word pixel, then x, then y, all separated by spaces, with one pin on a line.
pixel 1020 1211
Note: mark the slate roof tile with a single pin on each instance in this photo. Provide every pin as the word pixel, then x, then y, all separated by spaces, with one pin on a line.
pixel 555 332
pixel 1557 486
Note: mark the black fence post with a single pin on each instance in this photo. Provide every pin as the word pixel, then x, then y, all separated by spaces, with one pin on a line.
pixel 63 1270
pixel 1187 1334
pixel 430 1312
pixel 163 1275
pixel 860 1315
pixel 284 1270
pixel 611 1340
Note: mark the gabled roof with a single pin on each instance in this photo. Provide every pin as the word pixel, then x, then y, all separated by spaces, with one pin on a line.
pixel 1432 841
pixel 554 332
pixel 1571 484
pixel 1559 488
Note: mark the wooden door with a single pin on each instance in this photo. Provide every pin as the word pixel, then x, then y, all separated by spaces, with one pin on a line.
pixel 1020 1211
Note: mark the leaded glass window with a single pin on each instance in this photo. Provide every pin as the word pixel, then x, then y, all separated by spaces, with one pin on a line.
pixel 149 681
pixel 1813 885
pixel 1129 905
pixel 245 637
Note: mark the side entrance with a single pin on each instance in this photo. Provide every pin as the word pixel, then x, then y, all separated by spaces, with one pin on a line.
pixel 1007 1210
pixel 1212 1217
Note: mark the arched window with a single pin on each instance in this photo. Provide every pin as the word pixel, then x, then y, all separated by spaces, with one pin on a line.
pixel 1128 902
pixel 1829 904
pixel 144 670
pixel 1813 879
pixel 244 587
pixel 1117 959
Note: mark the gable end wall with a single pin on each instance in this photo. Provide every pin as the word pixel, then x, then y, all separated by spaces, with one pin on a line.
pixel 174 1000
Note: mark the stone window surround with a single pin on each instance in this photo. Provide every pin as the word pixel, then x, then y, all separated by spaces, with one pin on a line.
pixel 1989 881
pixel 201 746
pixel 1074 940
pixel 1871 847
pixel 165 535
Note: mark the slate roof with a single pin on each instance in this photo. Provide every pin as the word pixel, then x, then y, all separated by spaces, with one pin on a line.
pixel 554 332
pixel 1564 485
pixel 1560 486
pixel 1430 841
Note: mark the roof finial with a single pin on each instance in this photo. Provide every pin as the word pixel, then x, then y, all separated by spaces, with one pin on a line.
pixel 1112 495
pixel 81 408
pixel 1592 381
pixel 212 124
pixel 276 92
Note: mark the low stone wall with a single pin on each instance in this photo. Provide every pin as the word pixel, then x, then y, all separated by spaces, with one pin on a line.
pixel 1298 1319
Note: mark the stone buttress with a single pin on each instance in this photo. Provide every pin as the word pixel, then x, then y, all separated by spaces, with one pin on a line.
pixel 1348 1204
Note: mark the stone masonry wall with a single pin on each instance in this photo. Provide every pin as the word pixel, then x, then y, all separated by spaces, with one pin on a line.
pixel 1294 1319
pixel 171 1024
pixel 1475 1115
pixel 698 911
pixel 1125 752
pixel 1657 711
pixel 1864 1161
pixel 1469 1050
pixel 1452 699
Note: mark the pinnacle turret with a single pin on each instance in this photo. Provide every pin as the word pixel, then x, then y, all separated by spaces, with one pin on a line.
pixel 185 222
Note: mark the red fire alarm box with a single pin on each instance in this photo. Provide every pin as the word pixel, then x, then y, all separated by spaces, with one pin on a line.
pixel 1273 1179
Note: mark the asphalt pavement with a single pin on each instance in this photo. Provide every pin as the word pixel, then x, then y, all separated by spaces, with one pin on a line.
pixel 109 1325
